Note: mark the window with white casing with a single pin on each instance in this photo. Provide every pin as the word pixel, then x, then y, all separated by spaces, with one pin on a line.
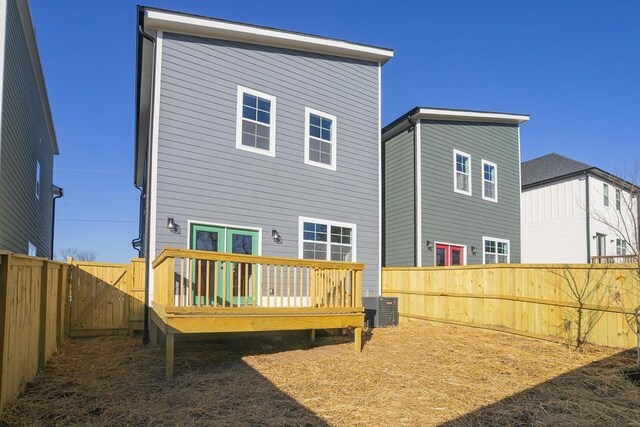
pixel 320 139
pixel 605 194
pixel 495 251
pixel 327 240
pixel 621 247
pixel 37 180
pixel 31 249
pixel 256 122
pixel 461 172
pixel 489 181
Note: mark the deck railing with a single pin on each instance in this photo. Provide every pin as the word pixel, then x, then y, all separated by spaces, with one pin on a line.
pixel 614 259
pixel 190 278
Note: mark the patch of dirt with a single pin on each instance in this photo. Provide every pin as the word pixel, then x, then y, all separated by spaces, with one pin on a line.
pixel 414 375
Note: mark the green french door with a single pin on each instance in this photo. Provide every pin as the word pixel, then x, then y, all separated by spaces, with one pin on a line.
pixel 230 276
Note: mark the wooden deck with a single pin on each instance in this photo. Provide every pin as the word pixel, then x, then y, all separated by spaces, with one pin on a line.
pixel 614 259
pixel 213 292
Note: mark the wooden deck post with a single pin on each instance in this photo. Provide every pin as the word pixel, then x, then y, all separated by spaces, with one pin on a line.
pixel 169 347
pixel 312 337
pixel 357 339
pixel 153 332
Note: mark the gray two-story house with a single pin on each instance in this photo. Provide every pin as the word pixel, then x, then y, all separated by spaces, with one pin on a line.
pixel 451 193
pixel 259 141
pixel 27 139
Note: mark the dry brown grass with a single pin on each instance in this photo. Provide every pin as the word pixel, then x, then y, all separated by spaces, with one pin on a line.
pixel 417 374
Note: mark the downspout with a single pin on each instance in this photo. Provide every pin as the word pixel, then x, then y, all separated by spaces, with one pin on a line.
pixel 588 218
pixel 145 338
pixel 53 217
pixel 417 246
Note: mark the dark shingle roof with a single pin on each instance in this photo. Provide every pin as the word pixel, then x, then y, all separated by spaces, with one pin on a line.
pixel 549 167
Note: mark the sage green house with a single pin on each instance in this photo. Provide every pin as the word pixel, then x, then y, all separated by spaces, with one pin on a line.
pixel 451 188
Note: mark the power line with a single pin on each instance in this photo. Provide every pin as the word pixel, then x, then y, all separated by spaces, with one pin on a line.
pixel 94 220
pixel 91 170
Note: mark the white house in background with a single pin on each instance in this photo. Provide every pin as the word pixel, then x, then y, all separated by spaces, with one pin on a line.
pixel 572 212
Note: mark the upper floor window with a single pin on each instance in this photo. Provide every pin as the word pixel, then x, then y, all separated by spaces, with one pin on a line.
pixel 618 198
pixel 489 181
pixel 37 180
pixel 327 240
pixel 496 251
pixel 605 194
pixel 621 247
pixel 461 172
pixel 256 124
pixel 31 249
pixel 320 139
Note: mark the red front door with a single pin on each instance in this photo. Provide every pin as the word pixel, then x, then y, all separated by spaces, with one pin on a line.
pixel 449 255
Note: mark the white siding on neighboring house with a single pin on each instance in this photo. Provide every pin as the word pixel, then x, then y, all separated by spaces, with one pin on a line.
pixel 603 217
pixel 554 223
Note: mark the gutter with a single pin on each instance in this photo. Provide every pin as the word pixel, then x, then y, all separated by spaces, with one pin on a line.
pixel 147 267
pixel 58 192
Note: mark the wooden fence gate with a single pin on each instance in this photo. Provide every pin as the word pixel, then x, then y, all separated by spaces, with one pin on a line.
pixel 106 299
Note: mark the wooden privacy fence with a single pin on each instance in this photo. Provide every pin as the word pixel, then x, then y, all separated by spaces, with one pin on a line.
pixel 32 318
pixel 106 298
pixel 540 301
pixel 42 301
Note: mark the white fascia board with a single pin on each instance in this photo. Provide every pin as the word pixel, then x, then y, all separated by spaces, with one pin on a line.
pixel 209 27
pixel 454 115
pixel 442 114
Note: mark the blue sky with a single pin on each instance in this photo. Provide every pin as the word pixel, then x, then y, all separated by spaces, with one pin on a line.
pixel 573 66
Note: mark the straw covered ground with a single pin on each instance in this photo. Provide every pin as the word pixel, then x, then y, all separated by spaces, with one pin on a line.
pixel 416 374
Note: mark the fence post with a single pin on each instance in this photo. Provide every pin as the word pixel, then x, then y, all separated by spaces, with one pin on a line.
pixel 68 274
pixel 128 291
pixel 5 271
pixel 42 328
pixel 62 297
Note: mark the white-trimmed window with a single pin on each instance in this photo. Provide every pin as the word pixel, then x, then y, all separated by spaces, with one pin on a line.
pixel 461 172
pixel 320 139
pixel 256 122
pixel 31 249
pixel 618 198
pixel 37 180
pixel 489 181
pixel 326 240
pixel 495 251
pixel 621 247
pixel 605 194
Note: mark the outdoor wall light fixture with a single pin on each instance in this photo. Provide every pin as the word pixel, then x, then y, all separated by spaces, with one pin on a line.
pixel 172 226
pixel 474 250
pixel 276 236
pixel 429 245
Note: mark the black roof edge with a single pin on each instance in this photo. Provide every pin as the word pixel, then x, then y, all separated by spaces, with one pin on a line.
pixel 264 27
pixel 611 178
pixel 400 119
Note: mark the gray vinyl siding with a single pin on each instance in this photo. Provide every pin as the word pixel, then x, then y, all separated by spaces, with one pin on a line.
pixel 460 219
pixel 202 176
pixel 399 200
pixel 25 139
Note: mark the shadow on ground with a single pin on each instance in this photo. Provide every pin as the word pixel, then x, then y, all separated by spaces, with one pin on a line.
pixel 596 393
pixel 213 386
